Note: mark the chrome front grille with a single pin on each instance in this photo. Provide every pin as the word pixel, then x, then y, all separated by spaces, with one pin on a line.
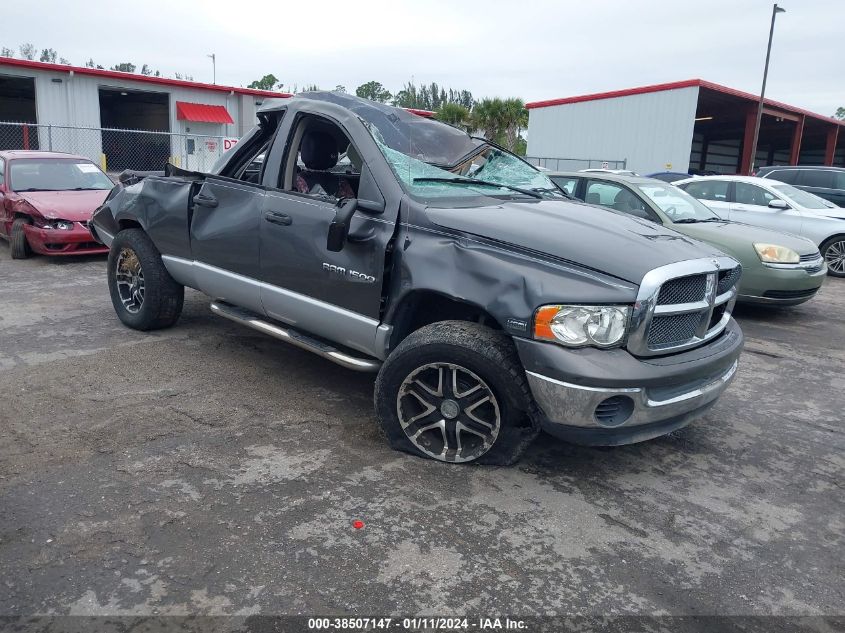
pixel 673 329
pixel 683 290
pixel 728 279
pixel 683 305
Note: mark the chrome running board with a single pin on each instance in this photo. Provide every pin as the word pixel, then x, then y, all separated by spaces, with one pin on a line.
pixel 294 337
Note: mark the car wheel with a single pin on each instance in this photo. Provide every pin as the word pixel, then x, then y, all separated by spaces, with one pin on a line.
pixel 456 392
pixel 833 252
pixel 143 293
pixel 17 239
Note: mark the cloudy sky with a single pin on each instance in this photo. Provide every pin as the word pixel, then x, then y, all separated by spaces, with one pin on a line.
pixel 532 49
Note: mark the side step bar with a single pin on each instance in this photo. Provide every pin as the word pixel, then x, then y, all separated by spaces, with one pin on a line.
pixel 294 337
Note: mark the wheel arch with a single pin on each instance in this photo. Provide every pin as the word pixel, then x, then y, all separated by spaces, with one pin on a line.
pixel 418 308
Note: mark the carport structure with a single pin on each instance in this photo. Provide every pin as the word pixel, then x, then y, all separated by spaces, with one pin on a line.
pixel 724 131
pixel 693 124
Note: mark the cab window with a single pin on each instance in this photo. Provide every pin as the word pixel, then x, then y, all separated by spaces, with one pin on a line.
pixel 323 162
pixel 822 178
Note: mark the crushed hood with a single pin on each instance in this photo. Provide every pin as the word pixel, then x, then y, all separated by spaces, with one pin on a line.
pixel 597 238
pixel 76 206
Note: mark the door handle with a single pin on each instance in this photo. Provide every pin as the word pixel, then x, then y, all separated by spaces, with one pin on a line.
pixel 282 219
pixel 203 200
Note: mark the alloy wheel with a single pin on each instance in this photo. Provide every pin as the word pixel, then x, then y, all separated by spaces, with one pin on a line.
pixel 448 412
pixel 130 280
pixel 834 256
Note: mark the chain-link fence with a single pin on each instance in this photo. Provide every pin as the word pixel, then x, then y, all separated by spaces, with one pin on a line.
pixel 573 164
pixel 116 150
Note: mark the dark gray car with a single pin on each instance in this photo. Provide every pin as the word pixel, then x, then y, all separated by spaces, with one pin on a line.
pixel 489 304
pixel 825 182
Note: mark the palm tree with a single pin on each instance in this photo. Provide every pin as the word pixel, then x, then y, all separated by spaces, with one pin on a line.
pixel 515 118
pixel 454 114
pixel 488 117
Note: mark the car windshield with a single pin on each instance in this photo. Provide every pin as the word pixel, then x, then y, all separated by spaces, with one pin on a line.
pixel 488 171
pixel 803 198
pixel 677 203
pixel 56 174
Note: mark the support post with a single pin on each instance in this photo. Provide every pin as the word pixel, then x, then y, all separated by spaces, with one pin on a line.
pixel 797 134
pixel 830 145
pixel 748 142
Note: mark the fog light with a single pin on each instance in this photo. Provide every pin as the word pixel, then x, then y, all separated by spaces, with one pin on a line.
pixel 614 411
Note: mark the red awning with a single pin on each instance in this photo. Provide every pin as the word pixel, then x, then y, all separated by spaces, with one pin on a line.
pixel 202 113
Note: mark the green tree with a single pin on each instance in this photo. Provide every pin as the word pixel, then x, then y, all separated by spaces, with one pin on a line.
pixel 514 119
pixel 267 82
pixel 28 51
pixel 48 55
pixel 126 67
pixel 146 70
pixel 339 88
pixel 488 116
pixel 311 88
pixel 373 91
pixel 64 61
pixel 454 114
pixel 7 52
pixel 840 113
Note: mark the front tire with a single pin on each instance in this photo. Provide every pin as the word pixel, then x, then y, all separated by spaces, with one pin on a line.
pixel 456 392
pixel 833 251
pixel 144 295
pixel 19 246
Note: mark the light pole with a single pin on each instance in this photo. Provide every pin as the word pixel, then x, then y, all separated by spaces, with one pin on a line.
pixel 775 10
pixel 214 65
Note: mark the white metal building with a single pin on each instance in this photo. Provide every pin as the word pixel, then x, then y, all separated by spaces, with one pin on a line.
pixel 77 109
pixel 681 126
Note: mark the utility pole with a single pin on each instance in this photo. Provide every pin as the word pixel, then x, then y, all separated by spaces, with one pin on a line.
pixel 775 10
pixel 214 66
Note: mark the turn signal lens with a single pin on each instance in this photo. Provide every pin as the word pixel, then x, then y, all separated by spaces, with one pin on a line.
pixel 576 326
pixel 774 254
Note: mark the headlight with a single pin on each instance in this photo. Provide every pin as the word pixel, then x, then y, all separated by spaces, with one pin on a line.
pixel 774 254
pixel 62 225
pixel 576 326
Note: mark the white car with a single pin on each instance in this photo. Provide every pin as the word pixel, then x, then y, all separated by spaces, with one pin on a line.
pixel 776 205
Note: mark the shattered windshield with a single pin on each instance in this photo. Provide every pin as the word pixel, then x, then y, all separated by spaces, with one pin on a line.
pixel 489 172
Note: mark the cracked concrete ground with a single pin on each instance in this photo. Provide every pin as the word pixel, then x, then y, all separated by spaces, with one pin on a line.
pixel 207 469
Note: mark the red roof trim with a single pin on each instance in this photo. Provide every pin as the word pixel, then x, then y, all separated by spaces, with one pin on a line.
pixel 115 74
pixel 688 83
pixel 202 113
pixel 428 114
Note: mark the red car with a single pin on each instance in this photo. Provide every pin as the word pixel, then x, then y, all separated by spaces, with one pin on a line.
pixel 46 202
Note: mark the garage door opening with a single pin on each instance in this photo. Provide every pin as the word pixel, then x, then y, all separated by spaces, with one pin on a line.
pixel 17 106
pixel 140 111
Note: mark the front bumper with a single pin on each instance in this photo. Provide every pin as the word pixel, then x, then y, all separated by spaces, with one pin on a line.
pixel 621 399
pixel 75 241
pixel 782 285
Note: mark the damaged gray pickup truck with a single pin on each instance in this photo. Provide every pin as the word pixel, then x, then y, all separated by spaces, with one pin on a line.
pixel 489 303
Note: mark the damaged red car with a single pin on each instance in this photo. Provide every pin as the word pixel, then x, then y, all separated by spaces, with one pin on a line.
pixel 46 202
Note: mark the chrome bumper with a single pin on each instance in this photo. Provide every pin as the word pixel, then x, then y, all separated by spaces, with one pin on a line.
pixel 568 405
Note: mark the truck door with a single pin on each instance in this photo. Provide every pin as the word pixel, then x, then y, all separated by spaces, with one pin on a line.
pixel 225 240
pixel 331 294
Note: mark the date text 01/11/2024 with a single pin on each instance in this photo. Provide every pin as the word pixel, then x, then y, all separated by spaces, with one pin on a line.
pixel 416 623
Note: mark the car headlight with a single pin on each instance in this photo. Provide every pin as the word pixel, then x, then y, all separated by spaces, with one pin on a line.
pixel 774 254
pixel 63 225
pixel 577 326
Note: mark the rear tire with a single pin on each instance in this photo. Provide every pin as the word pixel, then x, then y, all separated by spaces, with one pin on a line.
pixel 833 251
pixel 144 295
pixel 17 239
pixel 455 391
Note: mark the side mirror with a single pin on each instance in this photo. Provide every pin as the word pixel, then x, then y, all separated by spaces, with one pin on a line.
pixel 780 205
pixel 339 228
